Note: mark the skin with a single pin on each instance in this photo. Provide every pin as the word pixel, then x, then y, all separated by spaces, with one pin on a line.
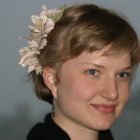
pixel 87 80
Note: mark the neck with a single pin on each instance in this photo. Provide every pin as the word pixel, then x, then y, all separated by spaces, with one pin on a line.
pixel 76 131
pixel 82 135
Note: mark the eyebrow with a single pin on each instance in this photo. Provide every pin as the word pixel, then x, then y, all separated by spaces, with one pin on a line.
pixel 103 67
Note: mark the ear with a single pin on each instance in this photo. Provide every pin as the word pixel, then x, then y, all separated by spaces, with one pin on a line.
pixel 50 80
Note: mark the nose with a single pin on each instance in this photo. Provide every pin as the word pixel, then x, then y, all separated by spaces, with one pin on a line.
pixel 109 89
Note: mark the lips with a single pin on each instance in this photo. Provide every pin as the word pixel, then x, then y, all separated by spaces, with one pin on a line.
pixel 104 108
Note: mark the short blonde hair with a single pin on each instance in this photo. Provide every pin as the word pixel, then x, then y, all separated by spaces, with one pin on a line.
pixel 82 28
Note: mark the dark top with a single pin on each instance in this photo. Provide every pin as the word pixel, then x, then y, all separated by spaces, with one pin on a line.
pixel 49 130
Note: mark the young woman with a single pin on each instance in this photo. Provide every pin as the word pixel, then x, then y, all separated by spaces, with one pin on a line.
pixel 82 60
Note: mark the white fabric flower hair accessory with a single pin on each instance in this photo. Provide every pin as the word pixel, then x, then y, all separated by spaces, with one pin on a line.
pixel 42 25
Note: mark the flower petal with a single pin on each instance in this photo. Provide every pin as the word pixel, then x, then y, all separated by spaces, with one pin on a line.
pixel 34 19
pixel 43 43
pixel 38 70
pixel 49 25
pixel 25 58
pixel 33 44
pixel 52 12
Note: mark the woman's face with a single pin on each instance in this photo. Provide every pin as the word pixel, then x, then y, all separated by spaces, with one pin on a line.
pixel 93 90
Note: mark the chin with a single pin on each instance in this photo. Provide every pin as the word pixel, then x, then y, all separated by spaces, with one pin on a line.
pixel 100 125
pixel 104 125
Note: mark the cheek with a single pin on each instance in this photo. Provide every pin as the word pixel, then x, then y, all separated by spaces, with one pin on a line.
pixel 125 97
pixel 124 93
pixel 122 100
pixel 76 88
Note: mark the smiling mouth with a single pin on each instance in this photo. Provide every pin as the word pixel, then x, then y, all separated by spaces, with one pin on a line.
pixel 104 108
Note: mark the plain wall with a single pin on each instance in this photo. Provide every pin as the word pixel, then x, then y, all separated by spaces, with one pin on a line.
pixel 19 107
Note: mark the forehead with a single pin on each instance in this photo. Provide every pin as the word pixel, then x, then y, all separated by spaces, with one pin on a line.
pixel 99 57
pixel 119 61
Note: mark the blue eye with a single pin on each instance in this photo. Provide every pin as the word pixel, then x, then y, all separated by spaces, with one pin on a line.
pixel 92 72
pixel 124 75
